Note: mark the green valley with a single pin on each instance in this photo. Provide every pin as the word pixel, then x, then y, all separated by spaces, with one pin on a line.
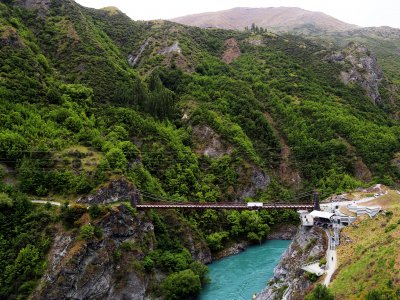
pixel 96 109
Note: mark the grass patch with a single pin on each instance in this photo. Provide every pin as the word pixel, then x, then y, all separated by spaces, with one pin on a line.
pixel 372 259
pixel 392 198
pixel 79 157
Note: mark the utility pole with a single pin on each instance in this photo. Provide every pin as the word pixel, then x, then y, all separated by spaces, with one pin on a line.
pixel 316 200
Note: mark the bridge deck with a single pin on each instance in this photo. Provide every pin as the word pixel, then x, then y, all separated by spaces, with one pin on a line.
pixel 221 205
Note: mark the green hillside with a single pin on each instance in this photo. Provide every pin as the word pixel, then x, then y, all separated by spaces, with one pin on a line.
pixel 78 111
pixel 371 261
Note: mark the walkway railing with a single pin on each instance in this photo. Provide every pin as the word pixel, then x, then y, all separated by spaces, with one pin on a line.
pixel 220 205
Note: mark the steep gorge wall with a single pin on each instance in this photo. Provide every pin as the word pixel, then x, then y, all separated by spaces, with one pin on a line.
pixel 79 269
pixel 102 268
pixel 308 245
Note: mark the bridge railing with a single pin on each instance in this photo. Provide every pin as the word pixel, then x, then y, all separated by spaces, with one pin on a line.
pixel 221 205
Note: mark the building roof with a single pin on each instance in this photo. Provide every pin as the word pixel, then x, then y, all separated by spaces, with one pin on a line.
pixel 321 214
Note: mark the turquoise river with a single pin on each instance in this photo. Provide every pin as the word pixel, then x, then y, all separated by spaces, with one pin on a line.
pixel 239 276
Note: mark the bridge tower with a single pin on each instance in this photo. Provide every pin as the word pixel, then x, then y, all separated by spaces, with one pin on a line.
pixel 135 197
pixel 316 200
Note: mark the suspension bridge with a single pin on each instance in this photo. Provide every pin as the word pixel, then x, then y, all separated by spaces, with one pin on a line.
pixel 222 205
pixel 162 204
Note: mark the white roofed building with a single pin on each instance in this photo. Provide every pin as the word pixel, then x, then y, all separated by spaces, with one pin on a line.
pixel 321 214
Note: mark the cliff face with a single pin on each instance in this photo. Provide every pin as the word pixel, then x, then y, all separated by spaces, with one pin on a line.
pixel 109 267
pixel 116 190
pixel 308 245
pixel 33 4
pixel 80 269
pixel 362 69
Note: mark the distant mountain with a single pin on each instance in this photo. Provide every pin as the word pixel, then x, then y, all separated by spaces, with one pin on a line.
pixel 275 18
pixel 384 42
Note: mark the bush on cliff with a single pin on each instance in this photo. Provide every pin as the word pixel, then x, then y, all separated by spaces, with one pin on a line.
pixel 181 285
pixel 87 232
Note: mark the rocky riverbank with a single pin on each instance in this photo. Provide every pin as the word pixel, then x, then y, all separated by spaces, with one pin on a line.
pixel 283 232
pixel 280 232
pixel 235 248
pixel 309 244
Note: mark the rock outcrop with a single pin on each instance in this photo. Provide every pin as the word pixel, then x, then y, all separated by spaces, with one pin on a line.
pixel 208 142
pixel 232 51
pixel 133 58
pixel 42 6
pixel 79 269
pixel 308 245
pixel 116 190
pixel 251 180
pixel 234 249
pixel 362 69
pixel 34 3
pixel 10 37
pixel 171 49
pixel 283 232
pixel 200 251
pixel 109 265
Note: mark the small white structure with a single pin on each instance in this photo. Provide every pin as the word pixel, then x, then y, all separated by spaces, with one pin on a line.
pixel 306 219
pixel 321 214
pixel 254 204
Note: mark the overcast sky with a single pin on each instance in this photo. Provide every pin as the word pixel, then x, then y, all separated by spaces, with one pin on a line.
pixel 359 12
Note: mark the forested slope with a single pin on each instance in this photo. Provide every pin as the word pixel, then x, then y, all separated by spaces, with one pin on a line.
pixel 89 97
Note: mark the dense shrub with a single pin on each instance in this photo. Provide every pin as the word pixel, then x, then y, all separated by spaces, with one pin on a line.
pixel 87 232
pixel 181 285
pixel 116 158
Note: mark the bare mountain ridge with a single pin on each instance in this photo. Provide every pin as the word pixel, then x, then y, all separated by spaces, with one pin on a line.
pixel 275 18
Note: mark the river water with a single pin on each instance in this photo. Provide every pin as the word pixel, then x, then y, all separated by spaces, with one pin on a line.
pixel 239 276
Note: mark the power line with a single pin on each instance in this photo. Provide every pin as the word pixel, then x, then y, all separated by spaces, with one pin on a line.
pixel 189 150
pixel 191 158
